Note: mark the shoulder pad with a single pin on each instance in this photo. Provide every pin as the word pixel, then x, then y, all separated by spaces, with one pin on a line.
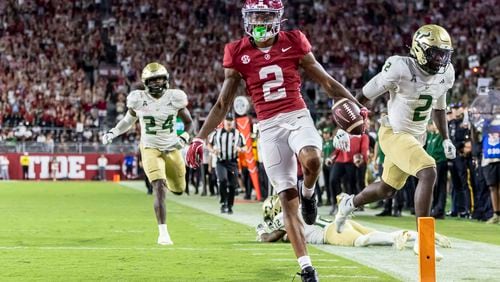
pixel 133 99
pixel 178 98
pixel 395 67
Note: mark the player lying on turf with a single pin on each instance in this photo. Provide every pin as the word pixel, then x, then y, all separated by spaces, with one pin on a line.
pixel 157 108
pixel 324 232
pixel 417 85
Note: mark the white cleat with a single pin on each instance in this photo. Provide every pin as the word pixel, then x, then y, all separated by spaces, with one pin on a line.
pixel 346 207
pixel 164 240
pixel 442 241
pixel 400 240
pixel 438 255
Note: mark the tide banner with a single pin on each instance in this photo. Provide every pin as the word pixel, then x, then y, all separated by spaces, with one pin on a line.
pixel 70 166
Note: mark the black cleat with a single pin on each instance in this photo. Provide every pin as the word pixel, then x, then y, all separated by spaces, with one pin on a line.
pixel 309 209
pixel 384 213
pixel 309 274
pixel 223 209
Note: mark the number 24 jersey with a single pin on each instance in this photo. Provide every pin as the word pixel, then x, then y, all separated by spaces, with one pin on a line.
pixel 271 76
pixel 157 117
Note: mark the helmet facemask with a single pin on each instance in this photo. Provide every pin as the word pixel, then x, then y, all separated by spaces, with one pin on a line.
pixel 436 59
pixel 156 85
pixel 262 24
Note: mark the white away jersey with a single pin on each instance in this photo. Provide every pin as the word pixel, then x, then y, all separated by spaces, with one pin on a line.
pixel 413 93
pixel 158 117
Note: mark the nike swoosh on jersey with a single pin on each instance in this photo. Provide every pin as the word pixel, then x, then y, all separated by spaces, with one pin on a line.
pixel 285 49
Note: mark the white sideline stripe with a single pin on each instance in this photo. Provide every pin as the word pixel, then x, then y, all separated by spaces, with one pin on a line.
pixel 336 267
pixel 292 259
pixel 71 248
pixel 274 254
pixel 349 276
pixel 324 267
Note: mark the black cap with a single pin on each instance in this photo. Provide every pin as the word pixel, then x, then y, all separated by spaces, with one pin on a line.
pixel 229 116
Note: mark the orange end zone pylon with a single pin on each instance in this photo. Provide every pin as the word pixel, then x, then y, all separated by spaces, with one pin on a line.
pixel 427 258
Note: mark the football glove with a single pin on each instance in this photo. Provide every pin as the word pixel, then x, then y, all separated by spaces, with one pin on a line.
pixel 194 155
pixel 342 141
pixel 364 112
pixel 108 138
pixel 449 149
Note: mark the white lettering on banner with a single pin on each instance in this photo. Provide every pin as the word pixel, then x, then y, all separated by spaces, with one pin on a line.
pixel 75 167
pixel 43 161
pixel 62 167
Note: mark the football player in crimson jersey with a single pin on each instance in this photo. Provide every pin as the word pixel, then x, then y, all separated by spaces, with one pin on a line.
pixel 268 60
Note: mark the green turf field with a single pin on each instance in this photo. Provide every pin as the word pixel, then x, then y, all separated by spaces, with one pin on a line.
pixel 90 231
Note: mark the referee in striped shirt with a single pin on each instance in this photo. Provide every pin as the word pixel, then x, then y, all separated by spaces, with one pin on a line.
pixel 226 142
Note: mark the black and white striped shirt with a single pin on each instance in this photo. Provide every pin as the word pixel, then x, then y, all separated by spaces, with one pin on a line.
pixel 226 142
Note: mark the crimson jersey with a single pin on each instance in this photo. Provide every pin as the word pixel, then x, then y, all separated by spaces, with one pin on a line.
pixel 272 78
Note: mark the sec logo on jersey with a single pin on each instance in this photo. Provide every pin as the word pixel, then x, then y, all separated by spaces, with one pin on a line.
pixel 245 59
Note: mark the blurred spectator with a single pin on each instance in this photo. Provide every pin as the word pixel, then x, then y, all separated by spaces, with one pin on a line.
pixel 491 164
pixel 54 168
pixel 327 151
pixel 25 164
pixel 4 168
pixel 129 166
pixel 102 162
pixel 434 147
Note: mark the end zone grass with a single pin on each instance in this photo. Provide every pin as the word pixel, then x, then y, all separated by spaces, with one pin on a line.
pixel 55 231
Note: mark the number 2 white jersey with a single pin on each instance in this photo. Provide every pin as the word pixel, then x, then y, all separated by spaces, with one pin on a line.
pixel 413 93
pixel 157 117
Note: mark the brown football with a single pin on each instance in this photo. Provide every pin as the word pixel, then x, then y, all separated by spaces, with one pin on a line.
pixel 345 114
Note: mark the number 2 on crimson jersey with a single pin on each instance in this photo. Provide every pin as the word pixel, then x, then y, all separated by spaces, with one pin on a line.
pixel 271 95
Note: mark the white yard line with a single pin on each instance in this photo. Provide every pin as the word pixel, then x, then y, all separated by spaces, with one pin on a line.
pixel 466 260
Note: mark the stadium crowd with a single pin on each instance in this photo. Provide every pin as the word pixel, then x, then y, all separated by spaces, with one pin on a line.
pixel 67 66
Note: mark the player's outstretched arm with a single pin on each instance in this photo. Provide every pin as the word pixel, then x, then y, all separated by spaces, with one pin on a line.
pixel 332 87
pixel 223 104
pixel 194 155
pixel 123 126
pixel 186 119
pixel 274 236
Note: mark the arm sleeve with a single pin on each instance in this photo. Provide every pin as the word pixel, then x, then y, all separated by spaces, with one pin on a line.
pixel 385 80
pixel 124 124
pixel 228 56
